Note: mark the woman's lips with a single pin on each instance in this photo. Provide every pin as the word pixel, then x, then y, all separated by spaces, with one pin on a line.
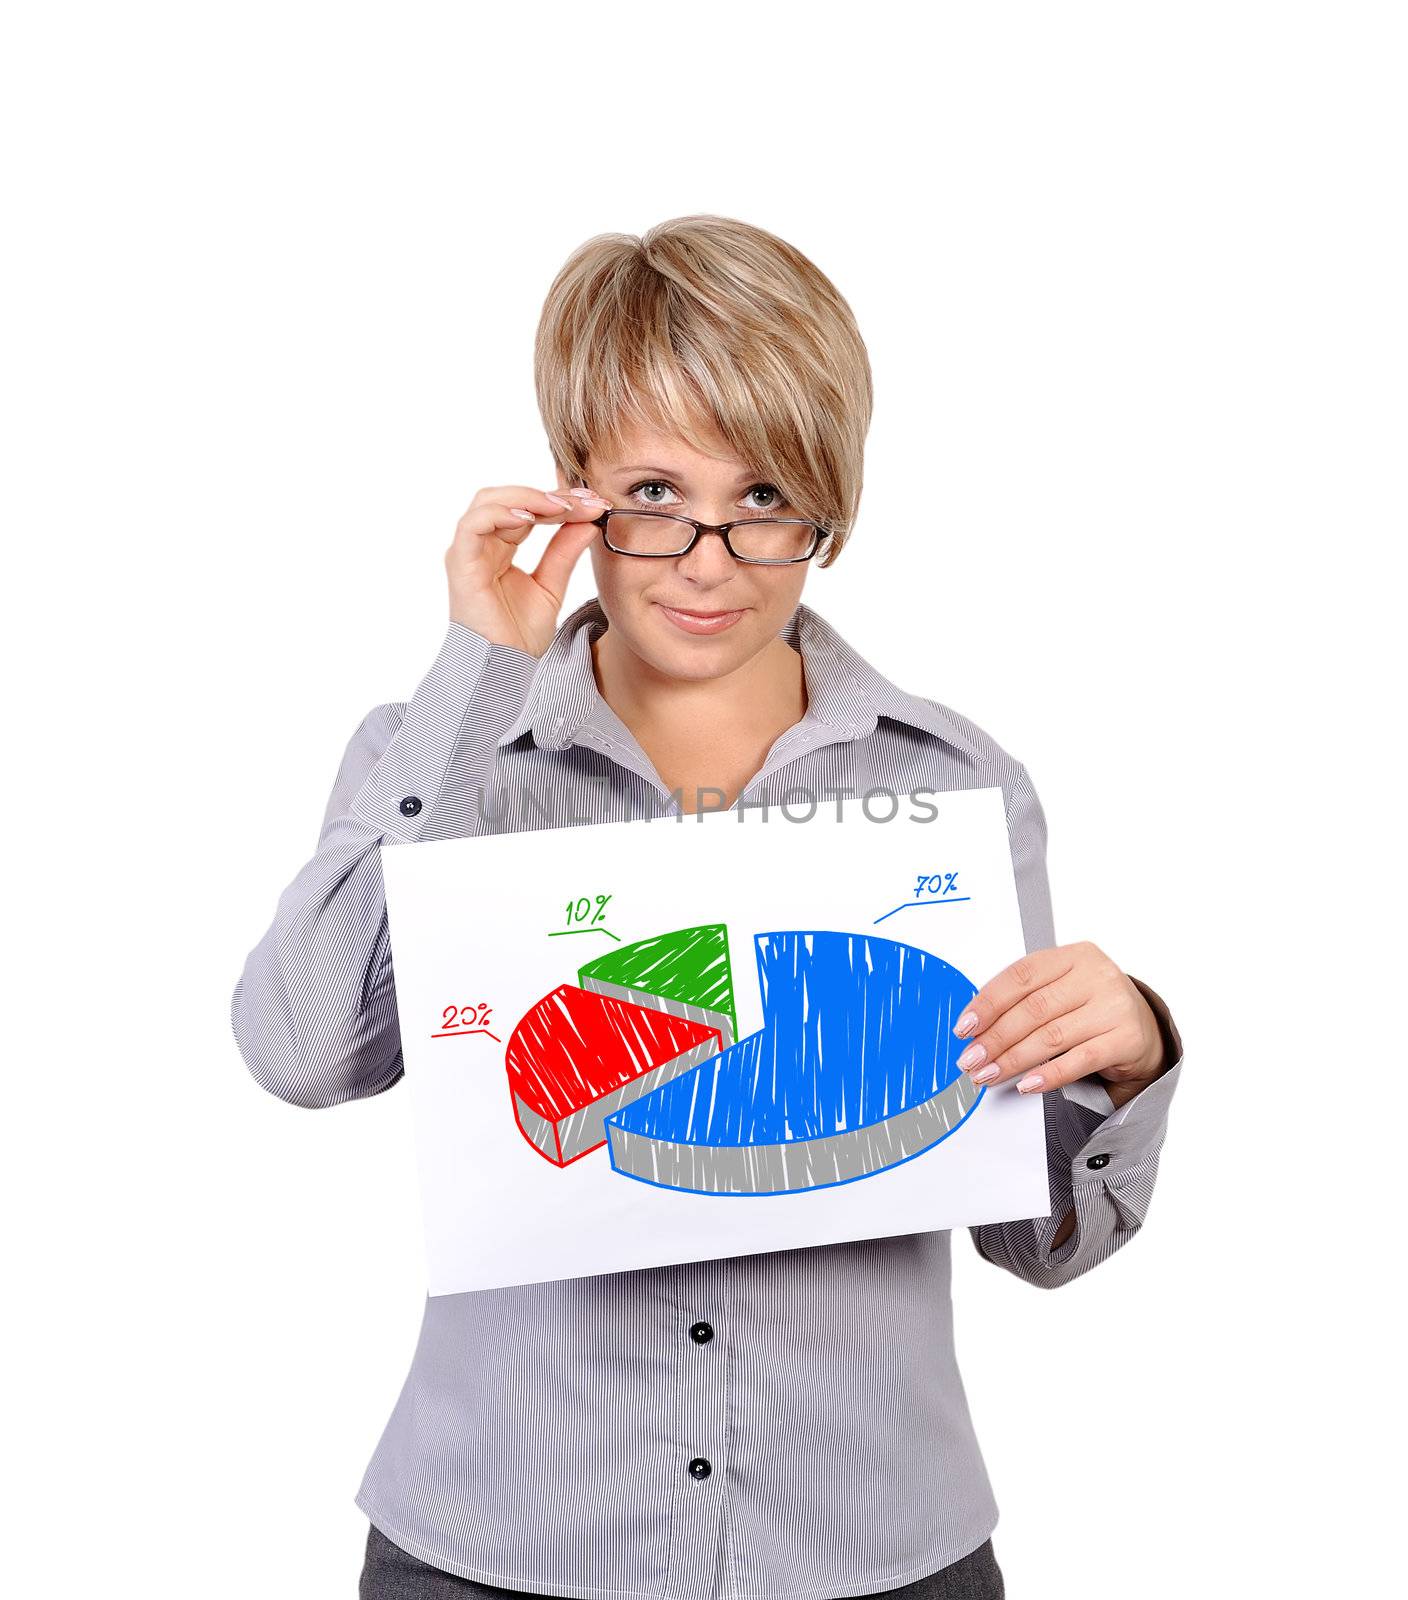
pixel 700 621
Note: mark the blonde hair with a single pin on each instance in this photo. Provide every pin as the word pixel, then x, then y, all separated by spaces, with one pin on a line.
pixel 703 323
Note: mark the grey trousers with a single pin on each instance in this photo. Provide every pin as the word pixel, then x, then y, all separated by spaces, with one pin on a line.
pixel 391 1573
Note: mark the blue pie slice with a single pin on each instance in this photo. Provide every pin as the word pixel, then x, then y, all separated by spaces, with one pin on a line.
pixel 854 1070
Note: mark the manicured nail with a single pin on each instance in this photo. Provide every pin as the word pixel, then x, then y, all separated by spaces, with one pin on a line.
pixel 986 1074
pixel 1033 1080
pixel 558 500
pixel 965 1024
pixel 526 515
pixel 585 494
pixel 973 1056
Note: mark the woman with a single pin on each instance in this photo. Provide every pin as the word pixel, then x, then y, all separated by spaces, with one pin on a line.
pixel 789 1424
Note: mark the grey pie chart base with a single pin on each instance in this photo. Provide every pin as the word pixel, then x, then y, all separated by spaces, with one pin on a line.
pixel 799 1165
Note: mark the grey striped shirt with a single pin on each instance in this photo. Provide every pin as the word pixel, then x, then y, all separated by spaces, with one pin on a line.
pixel 783 1426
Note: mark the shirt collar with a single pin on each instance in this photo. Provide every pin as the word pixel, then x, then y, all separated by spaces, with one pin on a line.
pixel 844 692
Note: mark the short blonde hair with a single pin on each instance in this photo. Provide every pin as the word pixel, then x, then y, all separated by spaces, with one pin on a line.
pixel 703 324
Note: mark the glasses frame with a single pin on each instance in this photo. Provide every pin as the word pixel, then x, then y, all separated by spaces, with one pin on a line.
pixel 819 534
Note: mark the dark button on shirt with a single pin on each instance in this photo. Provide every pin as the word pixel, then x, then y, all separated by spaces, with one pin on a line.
pixel 575 1393
pixel 1098 1161
pixel 699 1468
pixel 701 1333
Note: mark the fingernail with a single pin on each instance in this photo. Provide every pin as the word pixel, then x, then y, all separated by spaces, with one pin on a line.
pixel 1033 1080
pixel 987 1074
pixel 973 1056
pixel 965 1024
pixel 526 515
pixel 585 494
pixel 557 499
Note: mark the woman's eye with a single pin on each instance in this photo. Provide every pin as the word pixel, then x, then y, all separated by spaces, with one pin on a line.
pixel 650 490
pixel 773 497
pixel 652 483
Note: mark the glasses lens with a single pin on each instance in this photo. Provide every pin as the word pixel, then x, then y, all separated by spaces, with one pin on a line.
pixel 648 536
pixel 771 540
pixel 765 539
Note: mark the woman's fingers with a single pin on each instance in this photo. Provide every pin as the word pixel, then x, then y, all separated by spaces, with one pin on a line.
pixel 510 512
pixel 544 503
pixel 564 548
pixel 1067 1011
pixel 497 511
pixel 1063 1046
pixel 492 595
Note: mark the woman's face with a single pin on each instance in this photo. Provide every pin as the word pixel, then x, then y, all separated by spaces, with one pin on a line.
pixel 643 597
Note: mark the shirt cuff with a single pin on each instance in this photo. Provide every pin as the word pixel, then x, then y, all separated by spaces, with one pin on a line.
pixel 473 692
pixel 1121 1152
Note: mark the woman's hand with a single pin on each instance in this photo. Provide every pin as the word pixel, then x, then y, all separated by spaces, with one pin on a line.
pixel 1068 1012
pixel 494 597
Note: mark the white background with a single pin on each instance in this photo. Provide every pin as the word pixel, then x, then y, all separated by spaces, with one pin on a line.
pixel 1131 278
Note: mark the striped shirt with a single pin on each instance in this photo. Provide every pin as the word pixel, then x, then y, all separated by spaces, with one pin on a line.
pixel 789 1425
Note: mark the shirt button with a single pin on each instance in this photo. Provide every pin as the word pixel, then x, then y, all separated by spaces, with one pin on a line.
pixel 699 1468
pixel 410 806
pixel 1098 1161
pixel 701 1333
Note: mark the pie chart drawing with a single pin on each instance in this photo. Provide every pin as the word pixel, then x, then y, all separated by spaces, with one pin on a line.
pixel 853 1071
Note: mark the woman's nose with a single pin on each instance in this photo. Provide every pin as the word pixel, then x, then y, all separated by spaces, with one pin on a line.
pixel 709 558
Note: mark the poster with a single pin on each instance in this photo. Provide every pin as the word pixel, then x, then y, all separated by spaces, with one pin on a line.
pixel 642 1042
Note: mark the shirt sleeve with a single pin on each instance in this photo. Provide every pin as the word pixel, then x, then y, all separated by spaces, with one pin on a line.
pixel 1101 1161
pixel 314 1010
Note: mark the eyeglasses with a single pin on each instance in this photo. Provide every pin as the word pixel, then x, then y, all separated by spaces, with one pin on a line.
pixel 760 541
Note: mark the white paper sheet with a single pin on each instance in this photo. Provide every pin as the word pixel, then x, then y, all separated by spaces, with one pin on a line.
pixel 570 1123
